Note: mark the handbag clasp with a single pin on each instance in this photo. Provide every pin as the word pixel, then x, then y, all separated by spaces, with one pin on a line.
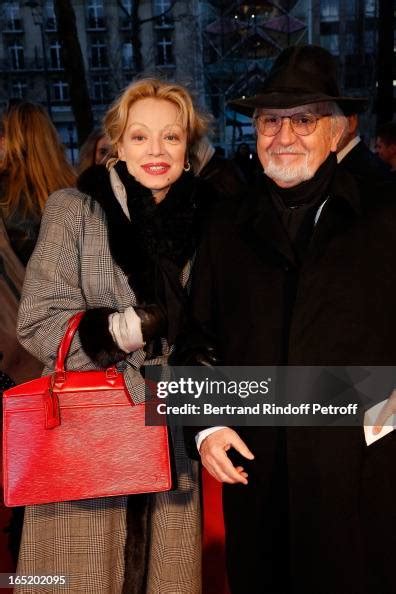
pixel 51 406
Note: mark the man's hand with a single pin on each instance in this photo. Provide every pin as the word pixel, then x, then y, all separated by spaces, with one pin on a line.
pixel 214 457
pixel 387 411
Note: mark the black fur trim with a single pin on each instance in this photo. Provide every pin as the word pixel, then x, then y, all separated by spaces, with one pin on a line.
pixel 137 544
pixel 153 247
pixel 96 339
pixel 157 235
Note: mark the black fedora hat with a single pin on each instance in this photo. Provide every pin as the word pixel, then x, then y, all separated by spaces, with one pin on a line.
pixel 300 75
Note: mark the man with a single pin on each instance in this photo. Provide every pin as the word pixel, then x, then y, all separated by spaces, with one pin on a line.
pixel 355 155
pixel 301 272
pixel 386 144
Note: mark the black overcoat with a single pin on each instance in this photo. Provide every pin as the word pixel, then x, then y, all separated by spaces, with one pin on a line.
pixel 362 162
pixel 337 308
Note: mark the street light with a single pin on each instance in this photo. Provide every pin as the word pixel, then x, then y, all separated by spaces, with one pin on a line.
pixel 38 19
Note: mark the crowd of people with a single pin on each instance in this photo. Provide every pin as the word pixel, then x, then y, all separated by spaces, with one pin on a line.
pixel 280 257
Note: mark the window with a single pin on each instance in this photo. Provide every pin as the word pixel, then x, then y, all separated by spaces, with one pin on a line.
pixel 60 91
pixel 63 131
pixel 127 55
pixel 16 55
pixel 95 14
pixel 98 53
pixel 349 42
pixel 350 10
pixel 162 10
pixel 370 41
pixel 330 42
pixel 127 5
pixel 56 55
pixel 329 10
pixel 18 88
pixel 100 87
pixel 67 135
pixel 370 8
pixel 12 16
pixel 160 6
pixel 49 16
pixel 125 14
pixel 165 48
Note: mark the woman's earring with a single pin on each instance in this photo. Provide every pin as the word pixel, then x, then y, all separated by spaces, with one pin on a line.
pixel 187 166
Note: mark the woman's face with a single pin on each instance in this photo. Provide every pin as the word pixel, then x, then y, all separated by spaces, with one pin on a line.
pixel 102 151
pixel 154 145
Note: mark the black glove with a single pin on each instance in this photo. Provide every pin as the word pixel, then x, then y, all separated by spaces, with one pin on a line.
pixel 204 355
pixel 154 321
pixel 194 354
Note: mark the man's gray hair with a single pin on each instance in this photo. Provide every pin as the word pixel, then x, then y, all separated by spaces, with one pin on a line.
pixel 338 118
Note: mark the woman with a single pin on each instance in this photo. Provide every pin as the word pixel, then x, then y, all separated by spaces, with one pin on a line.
pixel 95 150
pixel 33 165
pixel 118 248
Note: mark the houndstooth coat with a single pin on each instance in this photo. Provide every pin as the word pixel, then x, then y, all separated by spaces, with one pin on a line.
pixel 72 269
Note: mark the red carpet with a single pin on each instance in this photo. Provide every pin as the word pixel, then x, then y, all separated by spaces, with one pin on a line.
pixel 214 579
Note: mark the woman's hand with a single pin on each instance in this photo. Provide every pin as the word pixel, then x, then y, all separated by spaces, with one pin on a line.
pixel 126 329
pixel 135 326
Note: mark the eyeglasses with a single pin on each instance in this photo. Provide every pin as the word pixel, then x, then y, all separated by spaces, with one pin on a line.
pixel 302 124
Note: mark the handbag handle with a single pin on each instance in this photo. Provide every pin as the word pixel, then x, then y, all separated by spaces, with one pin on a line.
pixel 66 341
pixel 51 401
pixel 58 378
pixel 64 347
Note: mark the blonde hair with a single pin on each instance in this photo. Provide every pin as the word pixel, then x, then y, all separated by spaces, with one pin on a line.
pixel 34 163
pixel 195 122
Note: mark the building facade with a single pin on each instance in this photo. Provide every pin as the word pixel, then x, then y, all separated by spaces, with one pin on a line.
pixel 242 38
pixel 221 49
pixel 166 35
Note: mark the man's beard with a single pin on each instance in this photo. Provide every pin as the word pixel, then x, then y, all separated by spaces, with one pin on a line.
pixel 288 174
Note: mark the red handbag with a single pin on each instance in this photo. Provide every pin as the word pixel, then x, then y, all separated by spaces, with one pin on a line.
pixel 78 435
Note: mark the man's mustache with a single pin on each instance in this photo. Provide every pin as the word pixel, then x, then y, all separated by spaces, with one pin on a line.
pixel 288 149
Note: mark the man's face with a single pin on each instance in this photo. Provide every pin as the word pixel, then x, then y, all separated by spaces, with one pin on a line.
pixel 386 152
pixel 288 158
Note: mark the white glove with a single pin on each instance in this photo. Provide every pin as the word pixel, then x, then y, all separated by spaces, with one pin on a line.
pixel 126 330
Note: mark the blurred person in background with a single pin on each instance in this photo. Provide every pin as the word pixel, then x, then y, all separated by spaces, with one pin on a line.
pixel 247 162
pixel 32 165
pixel 223 174
pixel 355 156
pixel 95 150
pixel 385 144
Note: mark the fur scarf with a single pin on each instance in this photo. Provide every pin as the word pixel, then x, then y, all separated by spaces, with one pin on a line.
pixel 151 248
